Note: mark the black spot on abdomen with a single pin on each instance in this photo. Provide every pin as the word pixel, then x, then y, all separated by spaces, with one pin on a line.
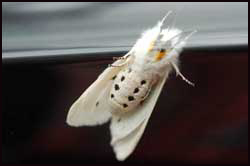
pixel 143 82
pixel 131 98
pixel 136 90
pixel 125 105
pixel 117 87
pixel 123 78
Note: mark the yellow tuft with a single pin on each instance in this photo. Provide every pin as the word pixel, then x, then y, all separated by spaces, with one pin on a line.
pixel 160 55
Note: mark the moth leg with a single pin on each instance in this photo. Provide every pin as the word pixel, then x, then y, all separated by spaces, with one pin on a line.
pixel 126 57
pixel 110 65
pixel 123 57
pixel 120 65
pixel 179 73
pixel 118 58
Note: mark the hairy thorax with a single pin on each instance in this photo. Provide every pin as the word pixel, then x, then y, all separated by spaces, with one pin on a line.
pixel 130 88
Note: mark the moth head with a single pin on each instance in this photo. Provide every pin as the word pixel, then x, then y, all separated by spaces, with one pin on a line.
pixel 167 41
pixel 158 43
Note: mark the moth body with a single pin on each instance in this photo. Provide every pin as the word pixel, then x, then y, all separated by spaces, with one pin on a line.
pixel 130 88
pixel 133 84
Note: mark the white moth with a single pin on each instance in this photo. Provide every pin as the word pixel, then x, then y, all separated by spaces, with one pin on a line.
pixel 127 91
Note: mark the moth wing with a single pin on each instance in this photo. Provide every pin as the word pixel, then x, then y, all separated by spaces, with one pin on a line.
pixel 92 108
pixel 125 146
pixel 86 110
pixel 126 133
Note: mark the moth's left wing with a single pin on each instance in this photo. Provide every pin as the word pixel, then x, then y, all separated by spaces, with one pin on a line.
pixel 92 107
pixel 127 132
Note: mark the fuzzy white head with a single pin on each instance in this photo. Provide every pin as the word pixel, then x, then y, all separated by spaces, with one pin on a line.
pixel 159 48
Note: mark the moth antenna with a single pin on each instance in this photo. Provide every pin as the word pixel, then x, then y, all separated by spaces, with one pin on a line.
pixel 164 18
pixel 179 73
pixel 190 34
pixel 177 13
pixel 172 22
pixel 160 24
pixel 184 36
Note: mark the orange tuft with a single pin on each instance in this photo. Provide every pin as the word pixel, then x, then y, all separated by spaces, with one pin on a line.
pixel 160 55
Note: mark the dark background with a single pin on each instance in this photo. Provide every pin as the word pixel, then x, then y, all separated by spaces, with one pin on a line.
pixel 207 123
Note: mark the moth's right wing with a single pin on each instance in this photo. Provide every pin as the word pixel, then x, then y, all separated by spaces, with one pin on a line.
pixel 127 132
pixel 125 146
pixel 92 107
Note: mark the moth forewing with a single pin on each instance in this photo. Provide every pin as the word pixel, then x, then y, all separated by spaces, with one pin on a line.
pixel 125 143
pixel 92 107
pixel 124 124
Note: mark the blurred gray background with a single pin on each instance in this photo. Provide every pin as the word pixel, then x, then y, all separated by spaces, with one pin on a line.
pixel 52 28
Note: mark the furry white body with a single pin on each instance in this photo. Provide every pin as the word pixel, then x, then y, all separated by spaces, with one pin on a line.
pixel 131 92
pixel 113 96
pixel 141 67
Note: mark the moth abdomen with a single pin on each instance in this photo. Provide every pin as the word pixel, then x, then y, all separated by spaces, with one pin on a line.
pixel 129 89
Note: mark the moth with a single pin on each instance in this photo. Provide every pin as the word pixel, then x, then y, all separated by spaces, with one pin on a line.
pixel 127 91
